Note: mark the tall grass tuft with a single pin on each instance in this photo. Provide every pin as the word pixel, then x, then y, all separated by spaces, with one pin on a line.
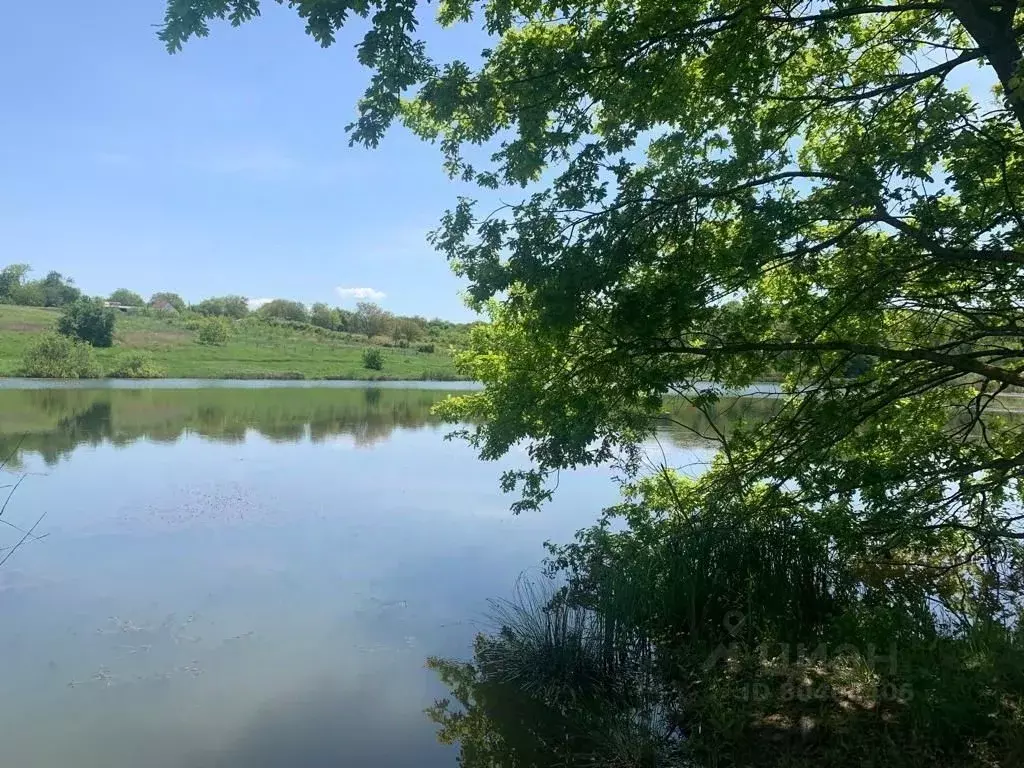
pixel 546 648
pixel 585 702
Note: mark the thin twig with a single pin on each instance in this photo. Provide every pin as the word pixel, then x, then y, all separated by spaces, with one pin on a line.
pixel 22 530
pixel 10 494
pixel 28 533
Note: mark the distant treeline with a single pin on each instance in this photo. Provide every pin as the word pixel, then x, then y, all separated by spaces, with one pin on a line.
pixel 57 290
pixel 54 290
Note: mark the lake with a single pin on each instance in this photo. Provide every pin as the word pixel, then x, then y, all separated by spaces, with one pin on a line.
pixel 252 574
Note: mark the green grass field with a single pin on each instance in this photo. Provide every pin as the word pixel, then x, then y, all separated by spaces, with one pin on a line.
pixel 254 350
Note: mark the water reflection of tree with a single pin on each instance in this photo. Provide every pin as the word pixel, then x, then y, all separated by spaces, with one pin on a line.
pixel 695 423
pixel 689 423
pixel 557 684
pixel 546 690
pixel 53 423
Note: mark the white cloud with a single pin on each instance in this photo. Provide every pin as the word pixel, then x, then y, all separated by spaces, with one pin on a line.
pixel 361 294
pixel 255 304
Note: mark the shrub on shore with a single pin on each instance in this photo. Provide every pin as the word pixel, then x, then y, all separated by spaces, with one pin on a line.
pixel 56 356
pixel 136 365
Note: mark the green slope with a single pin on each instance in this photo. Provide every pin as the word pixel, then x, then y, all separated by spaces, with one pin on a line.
pixel 256 349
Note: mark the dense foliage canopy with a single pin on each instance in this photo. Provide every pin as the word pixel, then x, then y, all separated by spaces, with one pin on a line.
pixel 285 310
pixel 89 321
pixel 127 298
pixel 54 290
pixel 235 307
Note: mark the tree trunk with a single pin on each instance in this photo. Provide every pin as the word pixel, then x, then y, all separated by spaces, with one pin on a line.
pixel 990 23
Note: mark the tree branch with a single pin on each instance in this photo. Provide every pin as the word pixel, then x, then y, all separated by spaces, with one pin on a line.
pixel 963 363
pixel 904 81
pixel 938 249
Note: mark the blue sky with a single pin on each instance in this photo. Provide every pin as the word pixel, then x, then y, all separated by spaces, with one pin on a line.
pixel 222 169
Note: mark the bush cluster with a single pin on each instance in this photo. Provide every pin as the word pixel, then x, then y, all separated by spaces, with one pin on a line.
pixel 373 359
pixel 56 356
pixel 136 365
pixel 214 330
pixel 89 321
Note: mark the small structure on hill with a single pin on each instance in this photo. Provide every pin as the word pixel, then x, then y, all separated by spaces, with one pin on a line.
pixel 120 307
pixel 163 305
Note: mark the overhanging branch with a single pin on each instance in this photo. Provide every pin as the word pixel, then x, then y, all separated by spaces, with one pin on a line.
pixel 962 363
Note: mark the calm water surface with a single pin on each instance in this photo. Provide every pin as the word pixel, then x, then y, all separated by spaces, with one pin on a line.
pixel 250 575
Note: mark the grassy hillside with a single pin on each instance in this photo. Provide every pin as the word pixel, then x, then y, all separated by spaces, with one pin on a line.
pixel 255 349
